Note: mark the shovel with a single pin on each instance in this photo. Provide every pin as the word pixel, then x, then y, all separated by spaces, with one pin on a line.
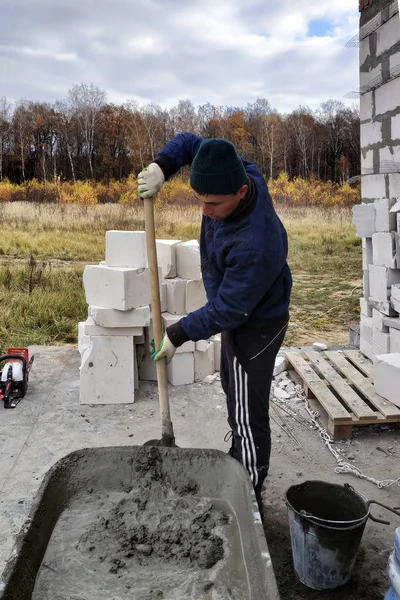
pixel 167 431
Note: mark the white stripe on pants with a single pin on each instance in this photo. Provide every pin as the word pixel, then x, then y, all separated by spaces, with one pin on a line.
pixel 249 456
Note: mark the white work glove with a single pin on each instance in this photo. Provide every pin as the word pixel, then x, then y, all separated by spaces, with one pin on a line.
pixel 150 181
pixel 166 350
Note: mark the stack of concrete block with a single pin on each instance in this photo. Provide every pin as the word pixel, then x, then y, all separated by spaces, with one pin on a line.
pixel 115 340
pixel 118 294
pixel 376 223
pixel 377 219
pixel 184 294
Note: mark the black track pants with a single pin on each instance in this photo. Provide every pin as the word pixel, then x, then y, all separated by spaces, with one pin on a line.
pixel 247 365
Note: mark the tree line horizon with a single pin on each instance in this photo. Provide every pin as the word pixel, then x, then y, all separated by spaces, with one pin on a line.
pixel 84 137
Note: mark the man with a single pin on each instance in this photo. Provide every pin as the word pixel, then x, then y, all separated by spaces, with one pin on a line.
pixel 243 249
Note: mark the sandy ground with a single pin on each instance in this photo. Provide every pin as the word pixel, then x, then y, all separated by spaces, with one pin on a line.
pixel 50 423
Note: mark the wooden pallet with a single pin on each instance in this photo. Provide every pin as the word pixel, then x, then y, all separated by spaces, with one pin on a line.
pixel 341 384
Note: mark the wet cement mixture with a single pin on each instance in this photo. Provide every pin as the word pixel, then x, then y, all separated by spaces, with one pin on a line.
pixel 155 541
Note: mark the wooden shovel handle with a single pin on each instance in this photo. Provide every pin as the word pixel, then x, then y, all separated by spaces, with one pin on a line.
pixel 166 423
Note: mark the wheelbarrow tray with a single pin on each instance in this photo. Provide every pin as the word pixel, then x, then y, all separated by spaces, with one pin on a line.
pixel 139 497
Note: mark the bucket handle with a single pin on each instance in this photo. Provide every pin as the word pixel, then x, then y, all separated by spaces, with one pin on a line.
pixel 368 503
pixel 393 510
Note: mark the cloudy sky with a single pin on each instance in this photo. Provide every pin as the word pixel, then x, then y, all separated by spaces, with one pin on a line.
pixel 227 52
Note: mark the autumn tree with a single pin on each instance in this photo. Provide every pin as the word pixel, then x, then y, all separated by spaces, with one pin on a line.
pixel 86 102
pixel 5 129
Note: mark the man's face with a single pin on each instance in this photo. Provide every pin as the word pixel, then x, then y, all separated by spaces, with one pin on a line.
pixel 220 206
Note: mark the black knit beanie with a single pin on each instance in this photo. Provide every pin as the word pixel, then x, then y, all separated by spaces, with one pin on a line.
pixel 217 168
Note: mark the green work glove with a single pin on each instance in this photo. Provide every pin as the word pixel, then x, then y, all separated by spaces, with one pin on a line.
pixel 150 181
pixel 166 350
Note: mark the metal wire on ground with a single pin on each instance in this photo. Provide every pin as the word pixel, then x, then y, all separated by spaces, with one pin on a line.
pixel 343 467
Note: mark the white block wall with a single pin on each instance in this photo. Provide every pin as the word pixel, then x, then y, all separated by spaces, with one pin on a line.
pixel 376 219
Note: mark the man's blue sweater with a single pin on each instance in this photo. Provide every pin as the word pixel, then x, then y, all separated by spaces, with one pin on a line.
pixel 243 257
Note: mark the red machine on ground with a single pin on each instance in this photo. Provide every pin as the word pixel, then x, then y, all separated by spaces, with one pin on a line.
pixel 14 376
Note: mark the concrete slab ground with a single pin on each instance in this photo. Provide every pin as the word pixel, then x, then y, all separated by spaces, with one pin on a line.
pixel 49 423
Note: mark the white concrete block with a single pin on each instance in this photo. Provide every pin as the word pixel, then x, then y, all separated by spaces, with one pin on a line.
pixel 384 249
pixel 396 127
pixel 365 308
pixel 366 287
pixel 387 377
pixel 217 351
pixel 384 307
pixel 366 349
pixel 180 370
pixel 397 246
pixel 163 297
pixel 147 367
pixel 83 339
pixel 394 339
pixel 119 288
pixel 364 219
pixel 380 341
pixel 109 317
pixel 371 133
pixel 367 252
pixel 139 339
pixel 394 62
pixel 366 331
pixel 90 328
pixel 373 187
pixel 107 371
pixel 368 78
pixel 367 162
pixel 386 97
pixel 168 320
pixel 366 106
pixel 395 292
pixel 395 304
pixel 136 383
pixel 378 321
pixel 204 363
pixel 387 35
pixel 377 350
pixel 381 280
pixel 126 249
pixel 202 345
pixel 389 158
pixel 364 50
pixel 394 185
pixel 176 290
pixel 166 257
pixel 392 322
pixel 384 219
pixel 188 260
pixel 195 295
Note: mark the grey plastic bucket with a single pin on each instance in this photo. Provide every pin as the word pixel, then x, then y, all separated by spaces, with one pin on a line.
pixel 327 522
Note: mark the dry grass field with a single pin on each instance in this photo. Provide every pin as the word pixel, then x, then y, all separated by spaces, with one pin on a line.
pixel 44 247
